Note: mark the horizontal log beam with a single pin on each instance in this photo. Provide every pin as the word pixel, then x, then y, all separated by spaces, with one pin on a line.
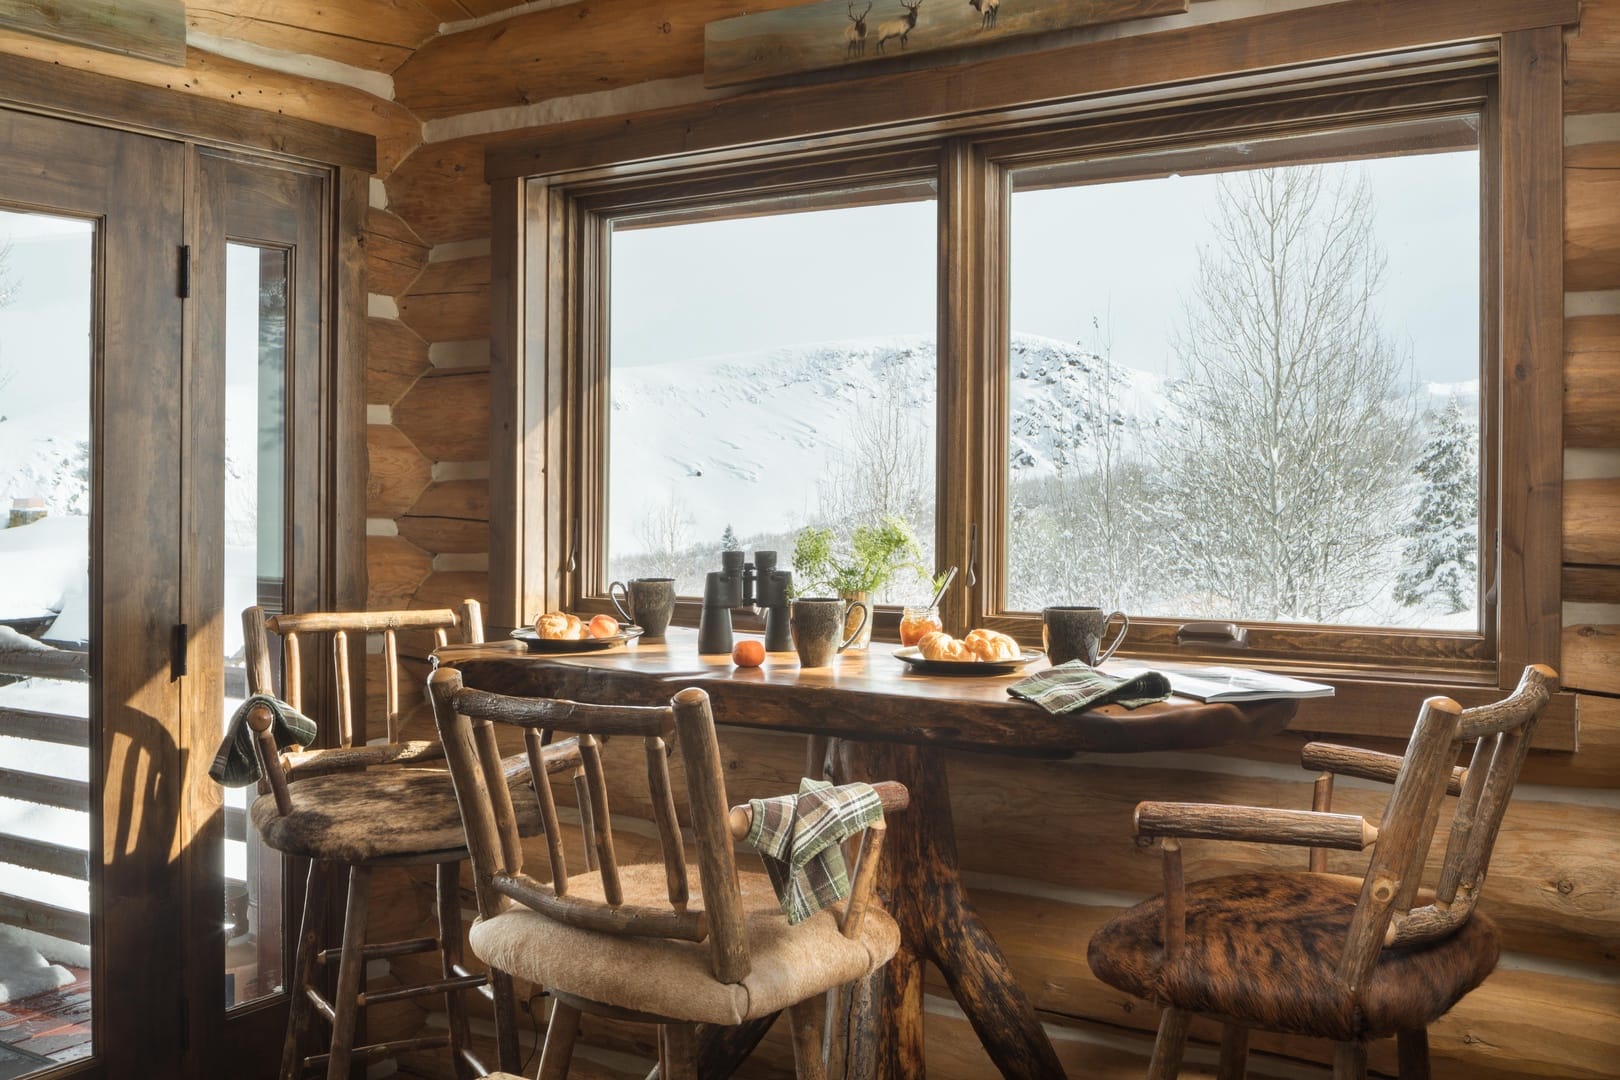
pixel 54 664
pixel 1592 522
pixel 924 100
pixel 208 100
pixel 47 919
pixel 56 791
pixel 1592 381
pixel 45 857
pixel 45 727
pixel 152 29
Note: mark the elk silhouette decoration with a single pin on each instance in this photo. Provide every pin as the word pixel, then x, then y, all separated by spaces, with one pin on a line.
pixel 855 32
pixel 987 9
pixel 899 28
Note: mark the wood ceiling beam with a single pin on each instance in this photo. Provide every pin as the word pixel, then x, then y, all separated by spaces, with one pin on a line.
pixel 220 79
pixel 555 52
pixel 377 35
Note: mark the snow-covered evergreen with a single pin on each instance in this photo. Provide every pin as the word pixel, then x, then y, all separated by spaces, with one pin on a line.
pixel 1441 549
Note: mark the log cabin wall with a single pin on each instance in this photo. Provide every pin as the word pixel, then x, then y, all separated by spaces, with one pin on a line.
pixel 1047 846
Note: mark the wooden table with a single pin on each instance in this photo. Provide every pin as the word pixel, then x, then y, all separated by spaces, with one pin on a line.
pixel 873 718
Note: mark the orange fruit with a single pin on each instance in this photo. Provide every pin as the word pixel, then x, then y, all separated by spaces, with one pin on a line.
pixel 603 626
pixel 748 653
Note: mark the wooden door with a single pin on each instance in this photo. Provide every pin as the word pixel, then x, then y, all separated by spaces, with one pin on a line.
pixel 101 468
pixel 255 500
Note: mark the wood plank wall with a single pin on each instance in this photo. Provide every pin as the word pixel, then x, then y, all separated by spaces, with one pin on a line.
pixel 1062 830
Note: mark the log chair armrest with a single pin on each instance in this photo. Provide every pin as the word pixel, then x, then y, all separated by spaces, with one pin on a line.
pixel 271 774
pixel 1256 824
pixel 301 764
pixel 1366 764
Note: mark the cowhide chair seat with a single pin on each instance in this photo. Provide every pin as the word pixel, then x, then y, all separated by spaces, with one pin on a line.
pixel 1344 958
pixel 376 815
pixel 1261 950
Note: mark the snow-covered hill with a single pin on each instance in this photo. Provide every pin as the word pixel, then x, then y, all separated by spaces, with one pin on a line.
pixel 742 439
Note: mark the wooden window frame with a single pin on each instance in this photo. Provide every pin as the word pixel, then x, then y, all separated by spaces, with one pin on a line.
pixel 546 227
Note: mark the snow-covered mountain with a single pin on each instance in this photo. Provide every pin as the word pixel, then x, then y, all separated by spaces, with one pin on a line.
pixel 742 439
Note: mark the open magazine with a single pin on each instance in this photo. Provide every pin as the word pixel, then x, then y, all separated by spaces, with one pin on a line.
pixel 1229 683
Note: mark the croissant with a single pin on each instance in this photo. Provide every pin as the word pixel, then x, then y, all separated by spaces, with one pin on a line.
pixel 939 645
pixel 991 645
pixel 559 626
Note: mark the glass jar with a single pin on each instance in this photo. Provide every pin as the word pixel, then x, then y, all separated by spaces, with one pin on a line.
pixel 917 621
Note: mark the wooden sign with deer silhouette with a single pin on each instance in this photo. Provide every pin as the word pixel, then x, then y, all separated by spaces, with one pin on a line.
pixel 856 33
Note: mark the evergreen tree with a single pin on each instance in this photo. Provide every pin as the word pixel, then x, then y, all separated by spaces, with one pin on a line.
pixel 1441 551
pixel 728 542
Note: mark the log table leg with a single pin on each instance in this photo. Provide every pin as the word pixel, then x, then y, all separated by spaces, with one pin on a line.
pixel 921 885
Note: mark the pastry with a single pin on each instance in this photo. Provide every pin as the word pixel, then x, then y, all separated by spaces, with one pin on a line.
pixel 979 645
pixel 559 626
pixel 991 645
pixel 939 645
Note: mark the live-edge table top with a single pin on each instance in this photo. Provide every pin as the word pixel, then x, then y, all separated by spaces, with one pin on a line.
pixel 864 695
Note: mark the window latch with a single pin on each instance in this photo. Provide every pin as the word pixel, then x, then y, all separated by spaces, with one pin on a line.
pixel 973 555
pixel 573 549
pixel 1213 635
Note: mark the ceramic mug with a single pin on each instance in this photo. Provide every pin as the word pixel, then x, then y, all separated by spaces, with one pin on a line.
pixel 648 602
pixel 1076 633
pixel 819 625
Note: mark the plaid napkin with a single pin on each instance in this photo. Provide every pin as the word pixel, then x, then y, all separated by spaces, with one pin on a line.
pixel 797 838
pixel 1076 685
pixel 236 764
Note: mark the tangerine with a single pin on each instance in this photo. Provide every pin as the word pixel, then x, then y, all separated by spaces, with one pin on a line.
pixel 748 653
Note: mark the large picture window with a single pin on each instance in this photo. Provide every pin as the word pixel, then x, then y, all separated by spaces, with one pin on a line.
pixel 766 374
pixel 1236 355
pixel 1249 394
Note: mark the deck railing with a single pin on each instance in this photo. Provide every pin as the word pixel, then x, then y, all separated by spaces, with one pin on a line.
pixel 18 782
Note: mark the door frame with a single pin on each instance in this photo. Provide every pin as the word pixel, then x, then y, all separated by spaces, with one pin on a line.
pixel 139 949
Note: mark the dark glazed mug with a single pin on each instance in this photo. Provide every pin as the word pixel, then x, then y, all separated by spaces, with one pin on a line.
pixel 1076 633
pixel 818 627
pixel 648 602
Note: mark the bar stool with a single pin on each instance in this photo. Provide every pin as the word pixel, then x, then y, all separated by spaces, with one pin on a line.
pixel 340 809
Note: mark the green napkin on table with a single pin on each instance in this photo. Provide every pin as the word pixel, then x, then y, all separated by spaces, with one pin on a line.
pixel 1076 685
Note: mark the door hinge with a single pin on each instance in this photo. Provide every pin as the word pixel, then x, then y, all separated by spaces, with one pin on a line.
pixel 179 646
pixel 185 271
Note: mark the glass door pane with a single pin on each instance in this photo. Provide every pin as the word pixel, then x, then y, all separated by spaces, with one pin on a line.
pixel 256 281
pixel 47 290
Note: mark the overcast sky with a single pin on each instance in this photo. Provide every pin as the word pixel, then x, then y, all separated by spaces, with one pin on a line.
pixel 1124 253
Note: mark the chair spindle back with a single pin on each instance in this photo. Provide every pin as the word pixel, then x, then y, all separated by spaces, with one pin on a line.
pixel 467 719
pixel 1500 732
pixel 257 628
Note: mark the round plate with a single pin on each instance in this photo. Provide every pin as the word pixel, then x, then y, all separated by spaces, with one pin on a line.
pixel 912 656
pixel 536 643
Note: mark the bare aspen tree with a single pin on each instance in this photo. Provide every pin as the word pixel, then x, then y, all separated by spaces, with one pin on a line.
pixel 1286 467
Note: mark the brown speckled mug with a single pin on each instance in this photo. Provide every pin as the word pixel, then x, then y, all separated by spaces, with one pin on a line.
pixel 818 627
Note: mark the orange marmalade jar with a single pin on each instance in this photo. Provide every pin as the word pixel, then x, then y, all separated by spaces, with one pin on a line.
pixel 917 621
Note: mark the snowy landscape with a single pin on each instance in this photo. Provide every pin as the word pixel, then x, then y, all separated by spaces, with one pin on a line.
pixel 753 442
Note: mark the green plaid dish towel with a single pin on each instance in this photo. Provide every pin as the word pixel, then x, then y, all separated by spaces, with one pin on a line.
pixel 1076 685
pixel 236 764
pixel 798 839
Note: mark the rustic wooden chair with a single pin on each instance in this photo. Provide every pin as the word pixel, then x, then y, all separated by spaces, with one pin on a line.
pixel 651 943
pixel 1324 955
pixel 335 808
